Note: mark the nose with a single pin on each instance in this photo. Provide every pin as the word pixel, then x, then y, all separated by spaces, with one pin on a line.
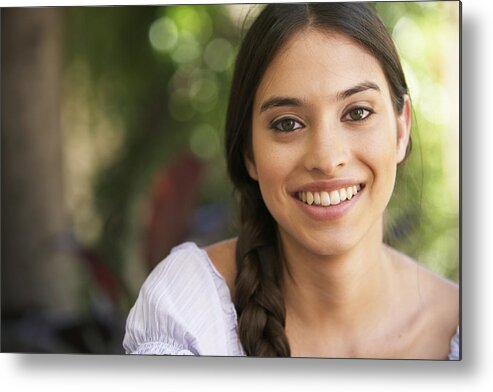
pixel 326 149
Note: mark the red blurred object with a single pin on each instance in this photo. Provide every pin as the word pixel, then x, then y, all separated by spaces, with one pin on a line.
pixel 109 282
pixel 173 195
pixel 106 280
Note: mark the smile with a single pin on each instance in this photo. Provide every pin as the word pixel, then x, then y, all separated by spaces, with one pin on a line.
pixel 331 198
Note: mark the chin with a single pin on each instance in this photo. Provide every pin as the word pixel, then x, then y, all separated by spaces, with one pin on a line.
pixel 333 247
pixel 330 244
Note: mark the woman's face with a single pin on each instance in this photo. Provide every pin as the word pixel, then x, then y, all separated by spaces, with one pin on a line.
pixel 325 142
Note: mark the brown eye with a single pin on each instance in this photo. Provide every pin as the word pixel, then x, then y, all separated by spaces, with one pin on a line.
pixel 286 125
pixel 358 114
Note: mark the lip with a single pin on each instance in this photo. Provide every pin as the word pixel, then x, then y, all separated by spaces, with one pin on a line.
pixel 333 212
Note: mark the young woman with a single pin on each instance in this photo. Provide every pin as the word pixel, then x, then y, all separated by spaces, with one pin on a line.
pixel 319 118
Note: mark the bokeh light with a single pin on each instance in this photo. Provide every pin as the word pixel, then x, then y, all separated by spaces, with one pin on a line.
pixel 204 142
pixel 163 34
pixel 219 54
pixel 187 48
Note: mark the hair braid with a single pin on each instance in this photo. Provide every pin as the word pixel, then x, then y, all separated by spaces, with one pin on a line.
pixel 258 298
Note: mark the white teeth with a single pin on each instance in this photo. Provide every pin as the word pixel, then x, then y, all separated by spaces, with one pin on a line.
pixel 334 198
pixel 349 193
pixel 326 198
pixel 342 194
pixel 309 198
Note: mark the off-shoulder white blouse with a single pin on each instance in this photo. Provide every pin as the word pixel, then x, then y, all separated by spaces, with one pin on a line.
pixel 184 308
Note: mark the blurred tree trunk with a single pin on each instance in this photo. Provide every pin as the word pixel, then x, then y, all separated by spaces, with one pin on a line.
pixel 34 274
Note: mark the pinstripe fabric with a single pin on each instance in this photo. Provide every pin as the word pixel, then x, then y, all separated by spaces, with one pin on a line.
pixel 184 308
pixel 454 346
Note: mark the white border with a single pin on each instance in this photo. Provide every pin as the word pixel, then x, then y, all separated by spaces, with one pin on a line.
pixel 474 373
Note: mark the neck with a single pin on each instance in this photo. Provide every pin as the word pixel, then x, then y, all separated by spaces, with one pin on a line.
pixel 341 291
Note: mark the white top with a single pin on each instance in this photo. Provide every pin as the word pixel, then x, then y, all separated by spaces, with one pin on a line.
pixel 184 308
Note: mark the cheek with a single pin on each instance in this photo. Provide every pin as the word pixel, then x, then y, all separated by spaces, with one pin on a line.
pixel 271 159
pixel 380 143
pixel 380 155
pixel 272 166
pixel 379 152
pixel 275 164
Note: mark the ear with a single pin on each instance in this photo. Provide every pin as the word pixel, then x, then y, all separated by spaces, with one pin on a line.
pixel 250 166
pixel 403 129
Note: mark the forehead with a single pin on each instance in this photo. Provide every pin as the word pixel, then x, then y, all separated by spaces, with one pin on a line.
pixel 319 64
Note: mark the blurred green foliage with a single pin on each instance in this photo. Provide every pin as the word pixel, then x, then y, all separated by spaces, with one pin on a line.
pixel 160 74
pixel 423 216
pixel 155 81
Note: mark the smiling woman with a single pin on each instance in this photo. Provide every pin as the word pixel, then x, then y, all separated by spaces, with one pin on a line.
pixel 343 133
pixel 319 119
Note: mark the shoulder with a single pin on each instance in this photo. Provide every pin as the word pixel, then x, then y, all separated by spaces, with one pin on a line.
pixel 433 298
pixel 185 270
pixel 432 288
pixel 223 256
pixel 184 304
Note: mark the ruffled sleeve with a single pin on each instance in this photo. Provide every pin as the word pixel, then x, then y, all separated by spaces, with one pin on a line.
pixel 454 346
pixel 179 310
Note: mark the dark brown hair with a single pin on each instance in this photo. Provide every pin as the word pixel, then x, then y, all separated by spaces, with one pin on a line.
pixel 258 285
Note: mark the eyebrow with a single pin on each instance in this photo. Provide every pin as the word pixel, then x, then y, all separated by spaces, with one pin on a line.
pixel 296 102
pixel 357 89
pixel 280 101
